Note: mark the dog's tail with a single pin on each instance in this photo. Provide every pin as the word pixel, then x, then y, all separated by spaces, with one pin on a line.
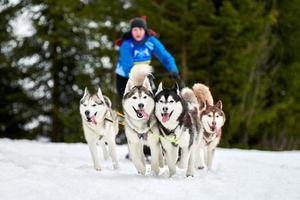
pixel 139 72
pixel 203 95
pixel 189 97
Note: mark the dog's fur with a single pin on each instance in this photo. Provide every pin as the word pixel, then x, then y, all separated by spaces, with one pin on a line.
pixel 141 125
pixel 100 124
pixel 212 118
pixel 177 114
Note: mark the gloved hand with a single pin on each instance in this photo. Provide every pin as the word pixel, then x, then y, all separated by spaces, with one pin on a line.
pixel 174 76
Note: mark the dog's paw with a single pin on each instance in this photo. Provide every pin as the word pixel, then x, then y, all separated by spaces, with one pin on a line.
pixel 189 175
pixel 200 167
pixel 172 173
pixel 181 165
pixel 98 168
pixel 142 172
pixel 155 172
pixel 116 166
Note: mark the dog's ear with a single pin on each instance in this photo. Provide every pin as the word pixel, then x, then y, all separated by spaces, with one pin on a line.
pixel 129 86
pixel 100 95
pixel 207 104
pixel 176 87
pixel 147 85
pixel 219 104
pixel 160 88
pixel 86 93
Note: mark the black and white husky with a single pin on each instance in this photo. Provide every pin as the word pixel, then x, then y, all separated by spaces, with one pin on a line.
pixel 140 123
pixel 212 118
pixel 178 124
pixel 100 125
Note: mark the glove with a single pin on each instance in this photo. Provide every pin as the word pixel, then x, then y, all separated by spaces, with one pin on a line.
pixel 174 76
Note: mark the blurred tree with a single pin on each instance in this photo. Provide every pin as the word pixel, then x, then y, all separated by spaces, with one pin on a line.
pixel 246 51
pixel 73 47
pixel 15 104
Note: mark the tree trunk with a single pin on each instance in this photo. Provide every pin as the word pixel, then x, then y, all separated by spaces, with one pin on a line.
pixel 184 68
pixel 57 129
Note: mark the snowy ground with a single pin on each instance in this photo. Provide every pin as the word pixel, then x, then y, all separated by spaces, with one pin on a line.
pixel 35 170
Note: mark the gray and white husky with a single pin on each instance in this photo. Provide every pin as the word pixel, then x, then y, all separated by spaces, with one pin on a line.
pixel 100 125
pixel 212 118
pixel 177 114
pixel 140 123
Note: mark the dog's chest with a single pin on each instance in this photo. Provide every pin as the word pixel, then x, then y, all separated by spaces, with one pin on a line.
pixel 183 137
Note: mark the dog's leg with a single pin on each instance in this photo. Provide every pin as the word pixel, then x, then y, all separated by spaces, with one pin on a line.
pixel 112 152
pixel 104 150
pixel 141 153
pixel 135 156
pixel 199 157
pixel 155 153
pixel 172 156
pixel 191 165
pixel 205 155
pixel 161 157
pixel 184 158
pixel 210 155
pixel 94 152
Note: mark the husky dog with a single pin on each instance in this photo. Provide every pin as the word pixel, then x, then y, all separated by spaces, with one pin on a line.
pixel 140 123
pixel 99 122
pixel 212 118
pixel 177 116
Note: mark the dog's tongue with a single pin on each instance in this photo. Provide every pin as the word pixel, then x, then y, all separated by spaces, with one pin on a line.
pixel 94 119
pixel 145 115
pixel 213 128
pixel 165 117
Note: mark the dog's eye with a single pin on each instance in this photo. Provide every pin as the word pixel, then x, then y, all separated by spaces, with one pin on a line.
pixel 145 97
pixel 134 97
pixel 94 105
pixel 171 101
pixel 160 101
pixel 217 116
pixel 209 115
pixel 84 105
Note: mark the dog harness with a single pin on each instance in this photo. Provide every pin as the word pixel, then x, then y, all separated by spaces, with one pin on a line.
pixel 166 133
pixel 208 137
pixel 141 134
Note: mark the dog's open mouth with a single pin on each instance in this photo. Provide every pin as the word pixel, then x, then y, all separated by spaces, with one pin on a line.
pixel 166 116
pixel 140 113
pixel 213 128
pixel 92 119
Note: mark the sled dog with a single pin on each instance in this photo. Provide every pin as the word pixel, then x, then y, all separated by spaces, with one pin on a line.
pixel 140 123
pixel 212 118
pixel 177 115
pixel 100 125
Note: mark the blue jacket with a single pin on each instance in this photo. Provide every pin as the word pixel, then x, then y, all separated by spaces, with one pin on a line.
pixel 131 54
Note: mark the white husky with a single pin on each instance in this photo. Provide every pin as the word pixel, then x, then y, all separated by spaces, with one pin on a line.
pixel 141 127
pixel 100 124
pixel 212 118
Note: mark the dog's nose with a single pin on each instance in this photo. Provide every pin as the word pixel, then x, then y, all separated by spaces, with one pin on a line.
pixel 87 113
pixel 165 109
pixel 214 123
pixel 141 105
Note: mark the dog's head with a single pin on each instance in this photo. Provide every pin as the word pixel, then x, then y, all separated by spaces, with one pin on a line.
pixel 213 117
pixel 93 107
pixel 138 101
pixel 168 104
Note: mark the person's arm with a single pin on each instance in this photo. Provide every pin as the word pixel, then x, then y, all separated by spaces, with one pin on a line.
pixel 126 57
pixel 164 56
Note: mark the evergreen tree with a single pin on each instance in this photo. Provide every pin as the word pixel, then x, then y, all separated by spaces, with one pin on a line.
pixel 15 112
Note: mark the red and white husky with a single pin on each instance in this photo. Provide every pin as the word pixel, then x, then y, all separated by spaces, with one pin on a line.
pixel 212 118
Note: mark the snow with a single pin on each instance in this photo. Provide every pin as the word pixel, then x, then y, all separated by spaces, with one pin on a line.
pixel 42 170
